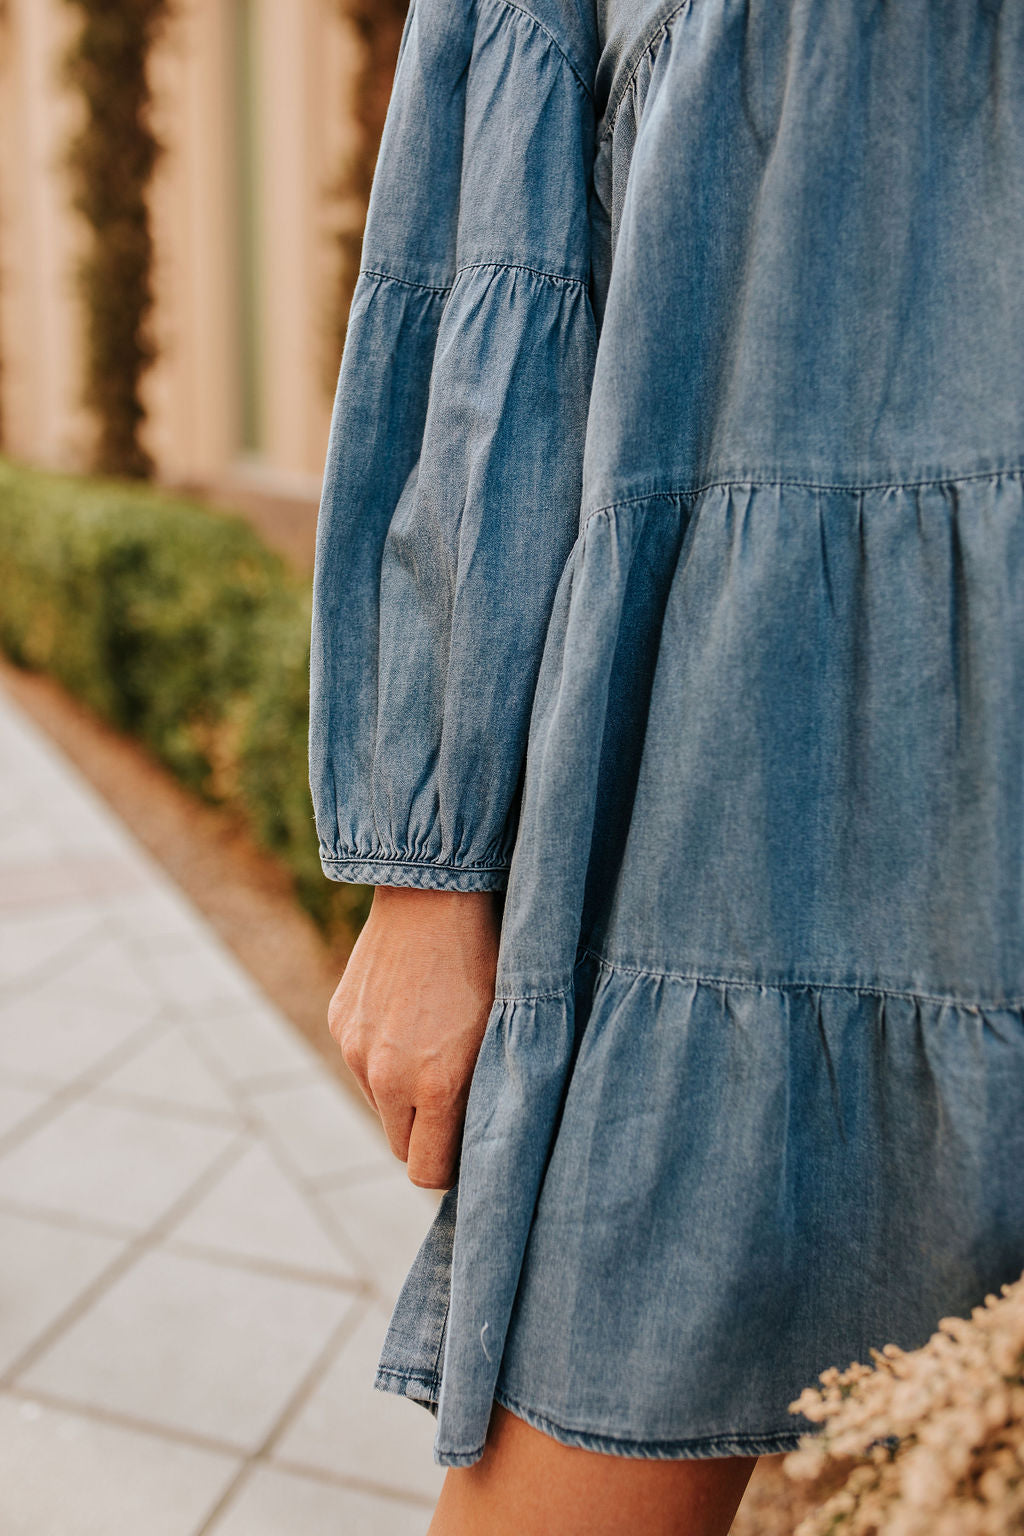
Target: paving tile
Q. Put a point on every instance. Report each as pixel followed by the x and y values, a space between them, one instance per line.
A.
pixel 30 942
pixel 386 1219
pixel 55 1037
pixel 28 760
pixel 322 1129
pixel 170 1072
pixel 107 969
pixel 198 974
pixel 255 1211
pixel 274 1503
pixel 84 822
pixel 16 1104
pixel 12 790
pixel 252 1044
pixel 196 1346
pixel 65 878
pixel 44 1268
pixel 12 807
pixel 62 1474
pixel 29 767
pixel 73 1016
pixel 109 1163
pixel 349 1428
pixel 38 778
pixel 22 841
pixel 155 915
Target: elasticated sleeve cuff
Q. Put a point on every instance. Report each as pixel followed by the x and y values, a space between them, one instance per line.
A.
pixel 420 875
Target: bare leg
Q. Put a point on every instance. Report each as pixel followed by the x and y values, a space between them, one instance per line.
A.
pixel 527 1484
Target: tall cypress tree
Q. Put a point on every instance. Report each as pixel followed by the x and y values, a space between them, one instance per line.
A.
pixel 112 160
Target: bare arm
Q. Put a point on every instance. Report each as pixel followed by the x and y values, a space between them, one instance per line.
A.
pixel 409 1014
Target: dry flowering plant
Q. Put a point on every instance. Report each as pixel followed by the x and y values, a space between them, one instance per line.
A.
pixel 934 1437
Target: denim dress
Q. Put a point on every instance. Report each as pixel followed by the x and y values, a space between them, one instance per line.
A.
pixel 670 579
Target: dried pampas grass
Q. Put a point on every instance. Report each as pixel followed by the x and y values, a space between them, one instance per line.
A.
pixel 933 1437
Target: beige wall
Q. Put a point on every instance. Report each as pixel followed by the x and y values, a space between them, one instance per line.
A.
pixel 303 60
pixel 39 318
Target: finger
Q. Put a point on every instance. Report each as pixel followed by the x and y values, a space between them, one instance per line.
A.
pixel 397 1120
pixel 364 1087
pixel 434 1149
pixel 353 1062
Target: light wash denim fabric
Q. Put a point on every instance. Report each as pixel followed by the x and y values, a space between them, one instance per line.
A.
pixel 670 575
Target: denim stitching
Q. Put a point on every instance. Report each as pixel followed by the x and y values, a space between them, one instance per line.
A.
pixel 1012 472
pixel 512 5
pixel 472 266
pixel 408 282
pixel 420 1378
pixel 399 860
pixel 521 266
pixel 531 997
pixel 616 102
pixel 440 1341
pixel 802 983
pixel 780 1438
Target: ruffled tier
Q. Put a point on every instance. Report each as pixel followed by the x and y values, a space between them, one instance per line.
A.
pixel 751 1097
pixel 778 733
pixel 681 1198
pixel 446 1336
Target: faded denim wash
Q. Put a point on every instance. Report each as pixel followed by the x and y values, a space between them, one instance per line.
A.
pixel 670 577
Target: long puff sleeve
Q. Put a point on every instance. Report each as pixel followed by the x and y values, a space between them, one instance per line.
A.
pixel 451 494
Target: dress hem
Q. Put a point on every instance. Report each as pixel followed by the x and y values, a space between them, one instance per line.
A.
pixel 798 1184
pixel 697 1448
pixel 703 1447
pixel 388 1380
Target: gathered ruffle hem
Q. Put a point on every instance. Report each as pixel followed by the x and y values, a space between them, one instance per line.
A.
pixel 775 1115
pixel 739 1184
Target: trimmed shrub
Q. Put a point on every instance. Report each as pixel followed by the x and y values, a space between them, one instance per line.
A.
pixel 111 159
pixel 175 623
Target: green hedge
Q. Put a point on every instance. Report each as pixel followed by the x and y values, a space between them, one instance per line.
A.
pixel 178 625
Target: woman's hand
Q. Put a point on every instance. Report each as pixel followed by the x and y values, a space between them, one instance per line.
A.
pixel 409 1014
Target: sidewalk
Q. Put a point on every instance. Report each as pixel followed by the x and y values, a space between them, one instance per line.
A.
pixel 201 1234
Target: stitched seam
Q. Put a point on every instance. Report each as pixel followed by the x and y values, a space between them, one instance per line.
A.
pixel 685 493
pixel 472 266
pixel 654 39
pixel 802 983
pixel 419 1377
pixel 507 1399
pixel 407 282
pixel 436 1373
pixel 404 863
pixel 531 997
pixel 520 266
pixel 511 5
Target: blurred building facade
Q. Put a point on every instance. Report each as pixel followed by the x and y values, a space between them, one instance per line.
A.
pixel 250 107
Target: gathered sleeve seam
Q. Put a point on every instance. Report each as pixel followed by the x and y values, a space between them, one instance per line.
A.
pixel 408 282
pixel 512 5
pixel 647 45
pixel 471 266
pixel 522 266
